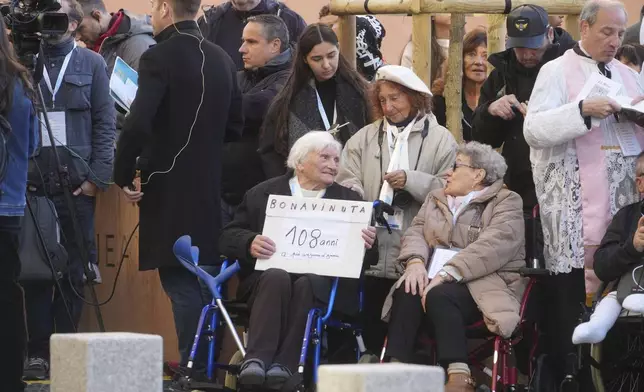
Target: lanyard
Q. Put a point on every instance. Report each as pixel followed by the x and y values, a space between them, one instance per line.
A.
pixel 325 118
pixel 61 75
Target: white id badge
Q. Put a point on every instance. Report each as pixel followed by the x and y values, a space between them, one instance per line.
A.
pixel 396 220
pixel 58 128
pixel 440 257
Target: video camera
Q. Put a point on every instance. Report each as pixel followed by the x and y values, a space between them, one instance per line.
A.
pixel 29 21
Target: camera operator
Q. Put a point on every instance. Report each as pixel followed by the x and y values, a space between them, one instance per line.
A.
pixel 81 112
pixel 21 137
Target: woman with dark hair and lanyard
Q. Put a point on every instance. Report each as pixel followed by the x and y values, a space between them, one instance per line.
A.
pixel 398 159
pixel 323 92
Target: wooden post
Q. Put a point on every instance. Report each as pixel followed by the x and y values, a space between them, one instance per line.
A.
pixel 357 7
pixel 347 36
pixel 496 32
pixel 454 80
pixel 571 24
pixel 422 47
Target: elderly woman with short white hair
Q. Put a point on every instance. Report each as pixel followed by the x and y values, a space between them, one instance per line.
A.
pixel 469 236
pixel 279 302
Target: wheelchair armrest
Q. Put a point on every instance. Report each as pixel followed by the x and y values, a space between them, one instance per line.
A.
pixel 533 272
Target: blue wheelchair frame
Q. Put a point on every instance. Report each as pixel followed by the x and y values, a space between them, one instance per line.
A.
pixel 321 318
pixel 188 256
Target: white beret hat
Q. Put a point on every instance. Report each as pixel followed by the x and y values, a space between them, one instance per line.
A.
pixel 403 76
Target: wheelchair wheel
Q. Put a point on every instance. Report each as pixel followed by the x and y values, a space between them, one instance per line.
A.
pixel 231 378
pixel 619 359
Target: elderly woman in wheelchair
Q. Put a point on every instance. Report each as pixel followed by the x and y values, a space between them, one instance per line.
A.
pixel 279 302
pixel 469 239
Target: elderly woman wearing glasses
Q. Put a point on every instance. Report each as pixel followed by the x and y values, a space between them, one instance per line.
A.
pixel 469 236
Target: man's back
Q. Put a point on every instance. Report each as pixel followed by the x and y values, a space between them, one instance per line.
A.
pixel 180 121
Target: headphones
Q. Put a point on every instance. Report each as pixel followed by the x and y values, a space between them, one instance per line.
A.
pixel 203 93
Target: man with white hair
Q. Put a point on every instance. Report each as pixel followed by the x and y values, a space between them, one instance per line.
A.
pixel 583 151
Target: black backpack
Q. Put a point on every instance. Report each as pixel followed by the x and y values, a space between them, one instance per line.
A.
pixel 33 257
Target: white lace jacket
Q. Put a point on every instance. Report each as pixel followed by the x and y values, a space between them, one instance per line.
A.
pixel 551 126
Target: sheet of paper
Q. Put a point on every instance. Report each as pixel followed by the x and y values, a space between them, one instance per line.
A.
pixel 628 142
pixel 316 236
pixel 58 128
pixel 124 83
pixel 598 86
pixel 440 257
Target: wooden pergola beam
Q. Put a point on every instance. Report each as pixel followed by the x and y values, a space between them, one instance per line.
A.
pixel 347 37
pixel 422 55
pixel 361 7
pixel 453 82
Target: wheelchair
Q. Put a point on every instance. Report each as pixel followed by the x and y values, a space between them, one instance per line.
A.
pixel 316 336
pixel 510 356
pixel 617 363
pixel 505 366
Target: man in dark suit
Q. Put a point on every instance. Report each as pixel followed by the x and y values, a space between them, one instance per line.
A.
pixel 187 105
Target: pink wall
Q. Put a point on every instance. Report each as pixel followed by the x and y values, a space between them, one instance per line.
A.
pixel 398 27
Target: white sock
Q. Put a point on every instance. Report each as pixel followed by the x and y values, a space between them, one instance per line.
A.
pixel 601 321
pixel 634 303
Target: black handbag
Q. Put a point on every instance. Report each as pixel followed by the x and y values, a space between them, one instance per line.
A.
pixel 41 220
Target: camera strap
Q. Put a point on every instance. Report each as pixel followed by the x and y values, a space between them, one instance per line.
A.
pixel 61 75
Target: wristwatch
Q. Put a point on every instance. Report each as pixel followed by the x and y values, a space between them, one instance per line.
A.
pixel 444 275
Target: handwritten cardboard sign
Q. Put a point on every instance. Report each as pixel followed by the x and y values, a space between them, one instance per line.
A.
pixel 316 236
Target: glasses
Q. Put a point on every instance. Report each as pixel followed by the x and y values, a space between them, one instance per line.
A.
pixel 457 165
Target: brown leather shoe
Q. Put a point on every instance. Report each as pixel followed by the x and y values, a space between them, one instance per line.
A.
pixel 460 383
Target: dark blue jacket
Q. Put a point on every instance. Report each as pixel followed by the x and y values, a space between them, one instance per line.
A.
pixel 90 118
pixel 21 144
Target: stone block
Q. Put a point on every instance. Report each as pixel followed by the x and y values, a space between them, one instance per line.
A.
pixel 380 378
pixel 106 362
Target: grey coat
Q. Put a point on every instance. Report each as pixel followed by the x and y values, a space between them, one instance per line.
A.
pixel 361 171
pixel 133 38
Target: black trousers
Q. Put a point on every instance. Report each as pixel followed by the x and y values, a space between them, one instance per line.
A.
pixel 13 329
pixel 565 297
pixel 450 309
pixel 374 329
pixel 279 306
